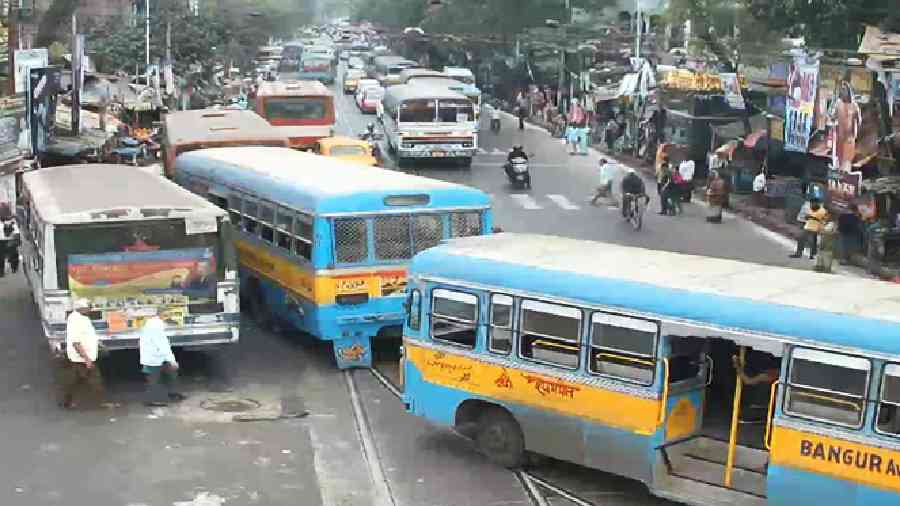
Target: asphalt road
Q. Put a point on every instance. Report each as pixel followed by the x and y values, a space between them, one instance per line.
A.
pixel 125 454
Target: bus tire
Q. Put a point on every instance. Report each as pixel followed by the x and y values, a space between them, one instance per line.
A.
pixel 500 438
pixel 466 162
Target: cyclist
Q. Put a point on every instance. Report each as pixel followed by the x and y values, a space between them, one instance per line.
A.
pixel 632 187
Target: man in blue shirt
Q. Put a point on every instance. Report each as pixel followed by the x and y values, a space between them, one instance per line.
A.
pixel 158 364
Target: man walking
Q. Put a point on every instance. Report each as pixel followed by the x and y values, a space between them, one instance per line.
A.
pixel 717 196
pixel 79 367
pixel 814 220
pixel 522 109
pixel 158 364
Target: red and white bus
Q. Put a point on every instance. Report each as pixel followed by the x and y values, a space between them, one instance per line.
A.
pixel 304 110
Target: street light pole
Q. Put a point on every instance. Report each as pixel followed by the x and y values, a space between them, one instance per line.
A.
pixel 147 37
pixel 640 28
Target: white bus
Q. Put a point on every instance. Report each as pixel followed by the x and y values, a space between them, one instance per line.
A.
pixel 423 121
pixel 133 245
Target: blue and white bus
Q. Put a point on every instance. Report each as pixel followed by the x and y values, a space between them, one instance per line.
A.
pixel 626 360
pixel 323 243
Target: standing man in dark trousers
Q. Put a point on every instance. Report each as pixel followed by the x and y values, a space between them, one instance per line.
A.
pixel 79 367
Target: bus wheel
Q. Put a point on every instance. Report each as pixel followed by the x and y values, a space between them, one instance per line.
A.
pixel 466 162
pixel 500 438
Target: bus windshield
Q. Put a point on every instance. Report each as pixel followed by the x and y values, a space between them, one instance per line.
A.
pixel 296 108
pixel 417 111
pixel 133 262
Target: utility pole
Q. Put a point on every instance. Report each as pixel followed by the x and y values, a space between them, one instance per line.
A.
pixel 147 38
pixel 640 28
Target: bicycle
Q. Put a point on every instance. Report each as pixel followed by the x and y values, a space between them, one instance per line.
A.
pixel 634 212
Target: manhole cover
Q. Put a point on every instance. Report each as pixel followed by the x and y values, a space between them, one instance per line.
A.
pixel 231 405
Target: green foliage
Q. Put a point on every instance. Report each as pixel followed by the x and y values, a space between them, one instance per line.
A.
pixel 57 52
pixel 390 13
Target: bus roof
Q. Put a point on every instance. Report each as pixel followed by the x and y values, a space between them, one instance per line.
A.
pixel 775 302
pixel 71 194
pixel 402 92
pixel 451 84
pixel 324 185
pixel 292 88
pixel 218 127
pixel 407 74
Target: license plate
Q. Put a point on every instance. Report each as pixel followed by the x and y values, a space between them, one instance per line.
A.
pixel 438 154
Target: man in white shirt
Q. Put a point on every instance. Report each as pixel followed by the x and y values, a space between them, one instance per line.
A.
pixel 608 172
pixel 79 366
pixel 686 185
pixel 158 364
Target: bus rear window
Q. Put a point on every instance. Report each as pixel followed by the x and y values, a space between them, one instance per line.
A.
pixel 296 108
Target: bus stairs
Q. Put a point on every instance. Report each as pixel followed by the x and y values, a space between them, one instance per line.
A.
pixel 696 473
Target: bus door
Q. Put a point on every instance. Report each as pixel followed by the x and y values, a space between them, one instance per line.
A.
pixel 714 426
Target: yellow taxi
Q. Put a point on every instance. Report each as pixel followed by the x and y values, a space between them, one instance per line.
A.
pixel 351 80
pixel 347 148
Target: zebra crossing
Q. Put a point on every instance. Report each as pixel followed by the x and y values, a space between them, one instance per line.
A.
pixel 530 202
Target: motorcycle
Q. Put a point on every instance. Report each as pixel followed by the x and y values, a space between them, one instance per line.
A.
pixel 372 138
pixel 518 173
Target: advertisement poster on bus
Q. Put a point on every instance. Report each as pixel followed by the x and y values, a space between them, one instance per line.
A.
pixel 801 105
pixel 129 279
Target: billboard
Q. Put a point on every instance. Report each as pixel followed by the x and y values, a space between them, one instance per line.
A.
pixel 25 59
pixel 800 105
pixel 43 87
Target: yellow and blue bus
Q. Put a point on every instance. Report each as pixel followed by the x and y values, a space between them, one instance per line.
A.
pixel 626 360
pixel 323 243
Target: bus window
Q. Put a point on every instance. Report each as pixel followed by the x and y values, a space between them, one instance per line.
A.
pixel 428 231
pixel 465 224
pixel 417 111
pixel 249 220
pixel 889 403
pixel 350 241
pixel 303 236
pixel 295 108
pixel 415 310
pixel 550 333
pixel 392 240
pixel 500 339
pixel 455 111
pixel 827 386
pixel 267 219
pixel 623 347
pixel 284 223
pixel 454 317
pixel 234 210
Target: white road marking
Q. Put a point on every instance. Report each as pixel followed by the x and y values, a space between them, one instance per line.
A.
pixel 563 202
pixel 526 201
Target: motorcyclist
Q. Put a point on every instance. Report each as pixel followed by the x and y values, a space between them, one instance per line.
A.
pixel 632 187
pixel 369 134
pixel 516 152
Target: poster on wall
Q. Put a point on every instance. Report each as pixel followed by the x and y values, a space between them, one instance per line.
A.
pixel 732 89
pixel 800 105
